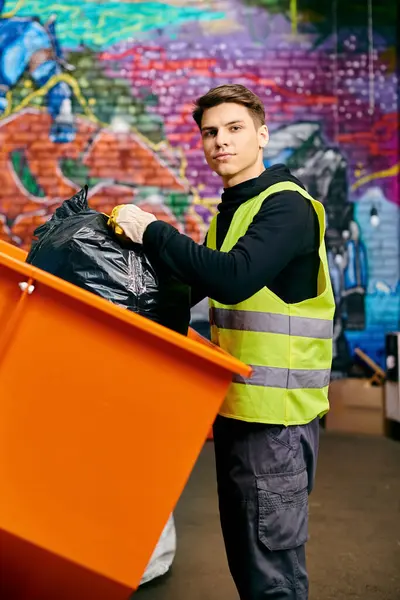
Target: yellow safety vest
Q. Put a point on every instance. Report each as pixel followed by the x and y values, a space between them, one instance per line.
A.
pixel 289 346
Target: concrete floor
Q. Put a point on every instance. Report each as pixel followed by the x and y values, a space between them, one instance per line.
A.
pixel 354 547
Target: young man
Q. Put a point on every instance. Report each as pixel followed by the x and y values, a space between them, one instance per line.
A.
pixel 264 267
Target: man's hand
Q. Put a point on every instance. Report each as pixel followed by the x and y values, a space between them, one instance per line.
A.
pixel 131 221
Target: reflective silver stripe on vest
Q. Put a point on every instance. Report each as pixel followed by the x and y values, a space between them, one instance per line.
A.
pixel 264 322
pixel 292 379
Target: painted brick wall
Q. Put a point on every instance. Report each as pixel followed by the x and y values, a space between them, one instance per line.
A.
pixel 120 120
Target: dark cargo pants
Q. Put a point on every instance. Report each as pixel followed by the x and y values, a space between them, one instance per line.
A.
pixel 264 476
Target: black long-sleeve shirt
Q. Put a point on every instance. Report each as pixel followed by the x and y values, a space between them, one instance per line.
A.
pixel 279 249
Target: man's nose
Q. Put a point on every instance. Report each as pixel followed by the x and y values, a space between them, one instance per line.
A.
pixel 221 139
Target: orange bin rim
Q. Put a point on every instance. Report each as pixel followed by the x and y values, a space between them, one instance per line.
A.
pixel 14 258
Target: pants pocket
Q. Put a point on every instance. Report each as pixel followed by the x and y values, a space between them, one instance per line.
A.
pixel 283 510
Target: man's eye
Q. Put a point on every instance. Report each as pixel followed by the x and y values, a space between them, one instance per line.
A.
pixel 235 127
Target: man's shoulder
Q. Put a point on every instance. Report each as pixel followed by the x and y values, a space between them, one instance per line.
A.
pixel 295 210
pixel 286 200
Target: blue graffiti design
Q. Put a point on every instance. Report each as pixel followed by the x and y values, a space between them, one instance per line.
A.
pixel 102 24
pixel 25 43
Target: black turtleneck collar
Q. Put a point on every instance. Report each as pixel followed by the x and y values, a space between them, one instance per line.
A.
pixel 232 197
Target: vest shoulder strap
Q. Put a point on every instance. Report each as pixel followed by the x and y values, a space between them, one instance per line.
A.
pixel 247 211
pixel 212 234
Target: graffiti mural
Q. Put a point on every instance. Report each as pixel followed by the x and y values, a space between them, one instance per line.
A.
pixel 101 93
pixel 27 45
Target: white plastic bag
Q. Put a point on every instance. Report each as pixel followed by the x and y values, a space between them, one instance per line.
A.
pixel 163 555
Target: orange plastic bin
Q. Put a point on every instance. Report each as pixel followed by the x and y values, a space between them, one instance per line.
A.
pixel 102 416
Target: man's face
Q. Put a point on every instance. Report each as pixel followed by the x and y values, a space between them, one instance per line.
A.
pixel 232 143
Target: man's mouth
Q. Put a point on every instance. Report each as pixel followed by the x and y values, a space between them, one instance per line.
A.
pixel 223 155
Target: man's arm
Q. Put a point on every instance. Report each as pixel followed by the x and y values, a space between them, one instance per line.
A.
pixel 275 237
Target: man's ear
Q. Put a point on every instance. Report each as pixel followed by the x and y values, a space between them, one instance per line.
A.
pixel 263 136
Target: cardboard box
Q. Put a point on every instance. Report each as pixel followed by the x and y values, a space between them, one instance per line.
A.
pixel 356 407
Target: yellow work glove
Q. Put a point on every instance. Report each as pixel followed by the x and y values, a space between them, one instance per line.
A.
pixel 130 221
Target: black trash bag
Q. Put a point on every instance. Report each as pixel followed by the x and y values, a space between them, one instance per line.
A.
pixel 77 245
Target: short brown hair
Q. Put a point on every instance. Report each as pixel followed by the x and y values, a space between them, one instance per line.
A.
pixel 230 93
